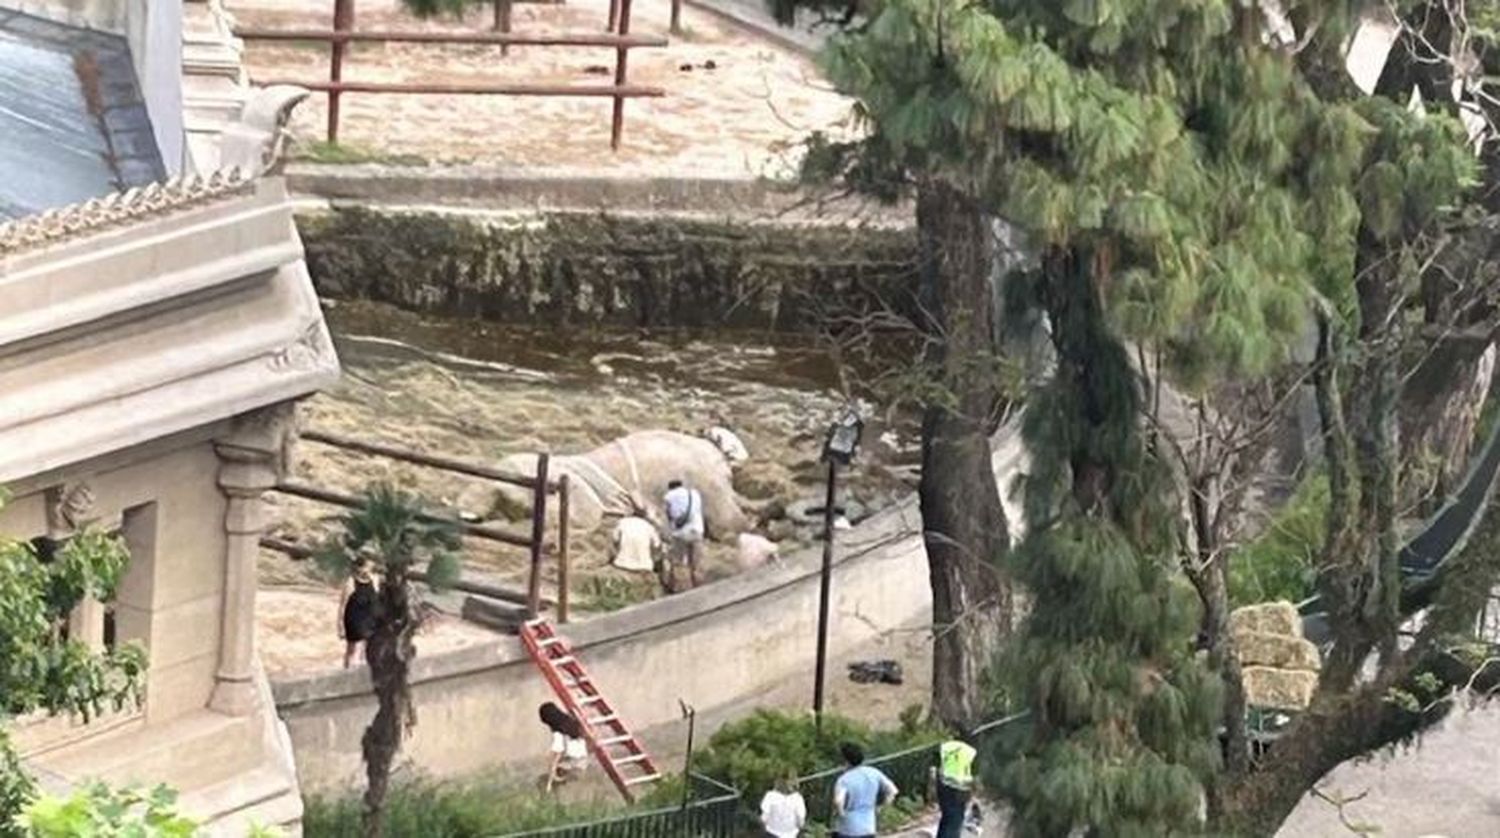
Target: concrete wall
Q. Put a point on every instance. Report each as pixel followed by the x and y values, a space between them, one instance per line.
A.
pixel 713 648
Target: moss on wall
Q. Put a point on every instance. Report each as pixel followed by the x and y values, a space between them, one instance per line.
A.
pixel 613 269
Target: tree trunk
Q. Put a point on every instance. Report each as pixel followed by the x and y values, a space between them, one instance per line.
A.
pixel 963 522
pixel 1213 590
pixel 389 653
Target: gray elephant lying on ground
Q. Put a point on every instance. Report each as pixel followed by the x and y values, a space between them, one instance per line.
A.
pixel 604 481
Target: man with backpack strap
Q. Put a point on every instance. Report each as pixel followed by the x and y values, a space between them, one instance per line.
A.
pixel 684 507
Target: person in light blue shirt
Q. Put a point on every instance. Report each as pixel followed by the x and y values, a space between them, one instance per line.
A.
pixel 859 791
pixel 685 531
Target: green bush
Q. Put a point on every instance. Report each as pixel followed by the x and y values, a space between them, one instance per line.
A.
pixel 100 812
pixel 752 753
pixel 429 809
pixel 1281 563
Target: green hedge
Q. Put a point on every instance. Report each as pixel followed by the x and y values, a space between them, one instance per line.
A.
pixel 430 809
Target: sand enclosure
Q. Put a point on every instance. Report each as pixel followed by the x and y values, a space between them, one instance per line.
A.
pixel 735 104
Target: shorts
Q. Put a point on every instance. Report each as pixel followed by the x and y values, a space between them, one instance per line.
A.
pixel 685 547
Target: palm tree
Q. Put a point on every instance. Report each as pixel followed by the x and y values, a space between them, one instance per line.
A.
pixel 392 532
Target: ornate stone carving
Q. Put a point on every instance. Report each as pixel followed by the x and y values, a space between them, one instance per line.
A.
pixel 68 509
pixel 256 142
pixel 306 353
pixel 98 214
pixel 256 451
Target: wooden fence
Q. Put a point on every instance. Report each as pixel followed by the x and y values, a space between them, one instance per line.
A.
pixel 535 542
pixel 344 33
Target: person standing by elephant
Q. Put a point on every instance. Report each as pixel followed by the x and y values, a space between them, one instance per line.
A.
pixel 684 507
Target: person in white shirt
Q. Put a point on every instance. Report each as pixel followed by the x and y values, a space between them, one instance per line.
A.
pixel 685 529
pixel 636 542
pixel 783 812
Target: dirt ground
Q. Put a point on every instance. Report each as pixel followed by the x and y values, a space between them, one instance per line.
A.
pixel 735 105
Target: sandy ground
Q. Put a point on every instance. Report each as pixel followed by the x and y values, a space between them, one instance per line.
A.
pixel 742 117
pixel 297 634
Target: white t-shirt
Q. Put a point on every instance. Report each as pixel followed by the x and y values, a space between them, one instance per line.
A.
pixel 635 540
pixel 573 750
pixel 783 815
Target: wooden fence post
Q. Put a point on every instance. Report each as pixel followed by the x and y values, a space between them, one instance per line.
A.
pixel 676 28
pixel 617 119
pixel 502 22
pixel 343 20
pixel 538 536
pixel 563 585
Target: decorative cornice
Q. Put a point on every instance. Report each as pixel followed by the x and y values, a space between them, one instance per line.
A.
pixel 144 203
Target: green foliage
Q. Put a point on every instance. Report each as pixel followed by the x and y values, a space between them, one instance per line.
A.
pixel 1280 563
pixel 99 812
pixel 38 671
pixel 392 531
pixel 1186 190
pixel 426 809
pixel 320 151
pixel 16 788
pixel 753 753
pixel 612 593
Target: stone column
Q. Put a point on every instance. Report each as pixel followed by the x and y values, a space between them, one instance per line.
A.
pixel 252 459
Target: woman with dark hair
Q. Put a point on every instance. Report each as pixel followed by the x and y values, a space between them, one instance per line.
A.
pixel 359 608
pixel 569 751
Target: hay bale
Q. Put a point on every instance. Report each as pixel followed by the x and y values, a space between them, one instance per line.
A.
pixel 1279 689
pixel 1259 648
pixel 1270 617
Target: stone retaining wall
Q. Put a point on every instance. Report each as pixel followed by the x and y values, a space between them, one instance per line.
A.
pixel 616 268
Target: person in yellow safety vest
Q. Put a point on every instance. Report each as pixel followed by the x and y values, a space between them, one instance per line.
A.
pixel 955 785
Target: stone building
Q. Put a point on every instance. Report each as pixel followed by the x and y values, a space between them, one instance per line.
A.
pixel 157 326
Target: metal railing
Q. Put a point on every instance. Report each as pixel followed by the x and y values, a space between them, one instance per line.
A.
pixel 343 34
pixel 711 812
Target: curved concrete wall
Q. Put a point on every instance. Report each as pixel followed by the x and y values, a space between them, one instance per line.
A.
pixel 715 648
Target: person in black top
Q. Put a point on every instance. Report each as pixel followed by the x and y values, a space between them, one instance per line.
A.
pixel 569 751
pixel 358 608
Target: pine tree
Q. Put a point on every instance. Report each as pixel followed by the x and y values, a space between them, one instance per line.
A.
pixel 1192 189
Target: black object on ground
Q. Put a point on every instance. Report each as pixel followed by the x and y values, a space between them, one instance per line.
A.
pixel 872 672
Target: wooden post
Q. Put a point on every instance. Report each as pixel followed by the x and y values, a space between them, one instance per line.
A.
pixel 676 28
pixel 538 536
pixel 343 20
pixel 614 16
pixel 503 9
pixel 562 549
pixel 617 119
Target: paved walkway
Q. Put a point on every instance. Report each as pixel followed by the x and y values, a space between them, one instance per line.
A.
pixel 1446 784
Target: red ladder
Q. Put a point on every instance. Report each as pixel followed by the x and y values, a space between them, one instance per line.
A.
pixel 618 751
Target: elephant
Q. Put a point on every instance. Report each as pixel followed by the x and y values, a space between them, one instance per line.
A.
pixel 611 480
